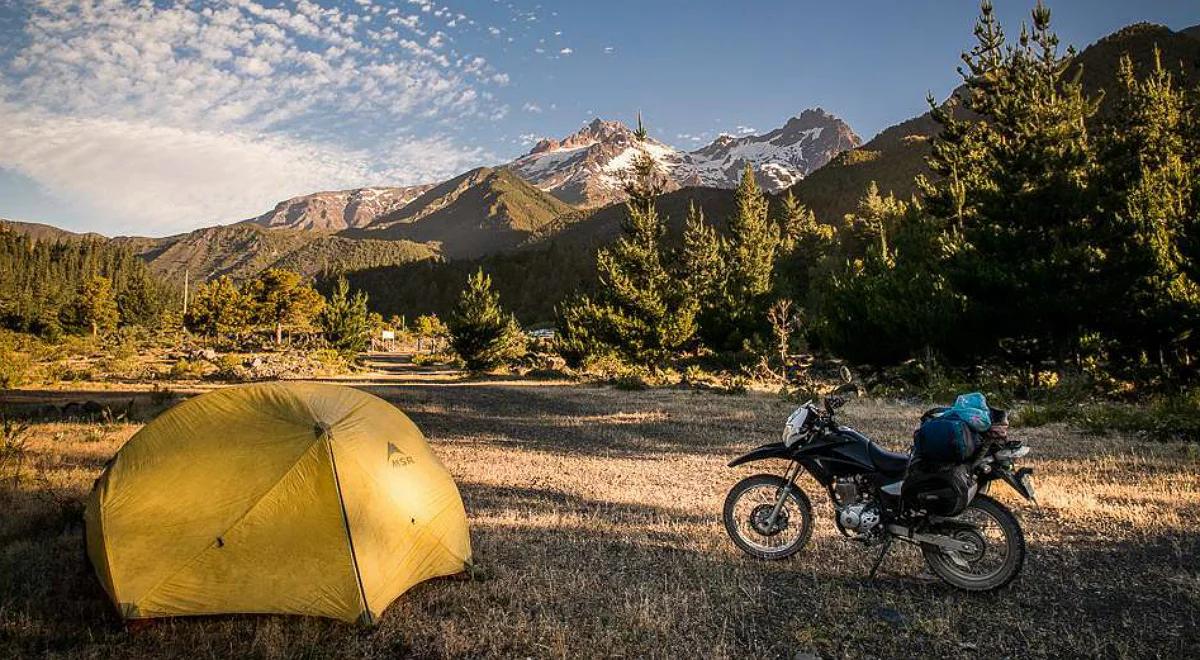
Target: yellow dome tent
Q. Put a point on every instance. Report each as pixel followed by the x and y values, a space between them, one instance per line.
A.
pixel 291 498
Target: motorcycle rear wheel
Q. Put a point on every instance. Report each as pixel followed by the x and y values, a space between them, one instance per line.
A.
pixel 750 502
pixel 993 527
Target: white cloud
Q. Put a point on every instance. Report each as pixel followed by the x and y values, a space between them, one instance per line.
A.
pixel 528 139
pixel 532 107
pixel 566 51
pixel 161 180
pixel 178 114
pixel 608 50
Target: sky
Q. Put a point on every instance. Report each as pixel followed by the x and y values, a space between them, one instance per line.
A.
pixel 153 117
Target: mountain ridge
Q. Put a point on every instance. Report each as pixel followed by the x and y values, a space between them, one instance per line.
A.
pixel 585 168
pixel 336 210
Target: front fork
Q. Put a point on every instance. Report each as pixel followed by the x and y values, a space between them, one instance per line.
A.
pixel 793 472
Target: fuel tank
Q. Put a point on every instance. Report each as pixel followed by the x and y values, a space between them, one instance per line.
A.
pixel 848 454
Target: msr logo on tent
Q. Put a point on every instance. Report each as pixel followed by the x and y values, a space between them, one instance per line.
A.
pixel 397 457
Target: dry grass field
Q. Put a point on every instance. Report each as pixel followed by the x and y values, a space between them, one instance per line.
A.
pixel 596 524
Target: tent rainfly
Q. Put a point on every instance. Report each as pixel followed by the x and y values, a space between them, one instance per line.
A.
pixel 292 498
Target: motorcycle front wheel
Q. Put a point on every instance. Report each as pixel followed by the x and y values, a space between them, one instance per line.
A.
pixel 747 516
pixel 999 547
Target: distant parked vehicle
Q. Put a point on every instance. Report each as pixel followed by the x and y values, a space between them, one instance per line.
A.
pixel 934 498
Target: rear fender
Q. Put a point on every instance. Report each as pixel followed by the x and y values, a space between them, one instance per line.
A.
pixel 762 453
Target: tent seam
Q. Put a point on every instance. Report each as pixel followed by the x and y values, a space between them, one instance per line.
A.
pixel 337 485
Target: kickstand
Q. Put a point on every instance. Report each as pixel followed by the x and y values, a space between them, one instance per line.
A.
pixel 887 544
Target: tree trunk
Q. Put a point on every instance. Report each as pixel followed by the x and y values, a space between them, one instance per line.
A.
pixel 278 333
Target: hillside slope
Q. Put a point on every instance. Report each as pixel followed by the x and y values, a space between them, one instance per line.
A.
pixel 245 249
pixel 482 211
pixel 535 278
pixel 39 231
pixel 895 156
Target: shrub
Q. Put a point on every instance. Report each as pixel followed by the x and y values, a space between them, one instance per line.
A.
pixel 435 359
pixel 1163 417
pixel 162 396
pixel 15 367
pixel 345 321
pixel 120 367
pixel 230 368
pixel 14 440
pixel 185 369
pixel 330 361
pixel 631 381
pixel 481 332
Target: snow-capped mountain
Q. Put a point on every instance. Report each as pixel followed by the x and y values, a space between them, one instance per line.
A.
pixel 780 158
pixel 336 210
pixel 586 168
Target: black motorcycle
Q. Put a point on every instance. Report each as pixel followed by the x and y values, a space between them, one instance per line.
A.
pixel 968 539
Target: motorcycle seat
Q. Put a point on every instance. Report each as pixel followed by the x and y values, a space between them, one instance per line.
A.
pixel 887 462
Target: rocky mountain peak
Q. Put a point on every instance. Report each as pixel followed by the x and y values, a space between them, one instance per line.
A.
pixel 585 167
pixel 780 157
pixel 336 210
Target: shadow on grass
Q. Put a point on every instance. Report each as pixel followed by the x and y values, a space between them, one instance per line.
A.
pixel 87 406
pixel 638 579
pixel 584 421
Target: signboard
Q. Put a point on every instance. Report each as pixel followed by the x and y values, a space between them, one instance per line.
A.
pixel 388 334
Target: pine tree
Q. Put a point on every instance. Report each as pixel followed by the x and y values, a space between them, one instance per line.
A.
pixel 1015 192
pixel 481 332
pixel 753 239
pixel 281 297
pixel 1152 199
pixel 41 280
pixel 345 320
pixel 700 258
pixel 803 243
pixel 97 305
pixel 882 298
pixel 749 258
pixel 642 309
pixel 219 309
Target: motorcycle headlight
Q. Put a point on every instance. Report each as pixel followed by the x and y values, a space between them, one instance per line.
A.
pixel 794 429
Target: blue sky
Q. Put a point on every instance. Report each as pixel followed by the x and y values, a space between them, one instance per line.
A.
pixel 158 117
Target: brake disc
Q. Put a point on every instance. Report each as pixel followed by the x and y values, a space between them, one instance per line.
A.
pixel 762 513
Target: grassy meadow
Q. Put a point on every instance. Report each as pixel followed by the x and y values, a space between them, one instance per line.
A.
pixel 595 516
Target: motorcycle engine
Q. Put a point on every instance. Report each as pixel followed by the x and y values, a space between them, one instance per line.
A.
pixel 859 517
pixel 857 513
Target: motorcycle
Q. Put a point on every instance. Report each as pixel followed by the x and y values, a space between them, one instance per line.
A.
pixel 968 539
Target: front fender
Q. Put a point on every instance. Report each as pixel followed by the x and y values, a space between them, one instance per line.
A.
pixel 771 450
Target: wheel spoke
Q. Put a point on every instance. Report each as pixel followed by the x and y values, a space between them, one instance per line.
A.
pixel 753 509
pixel 979 526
